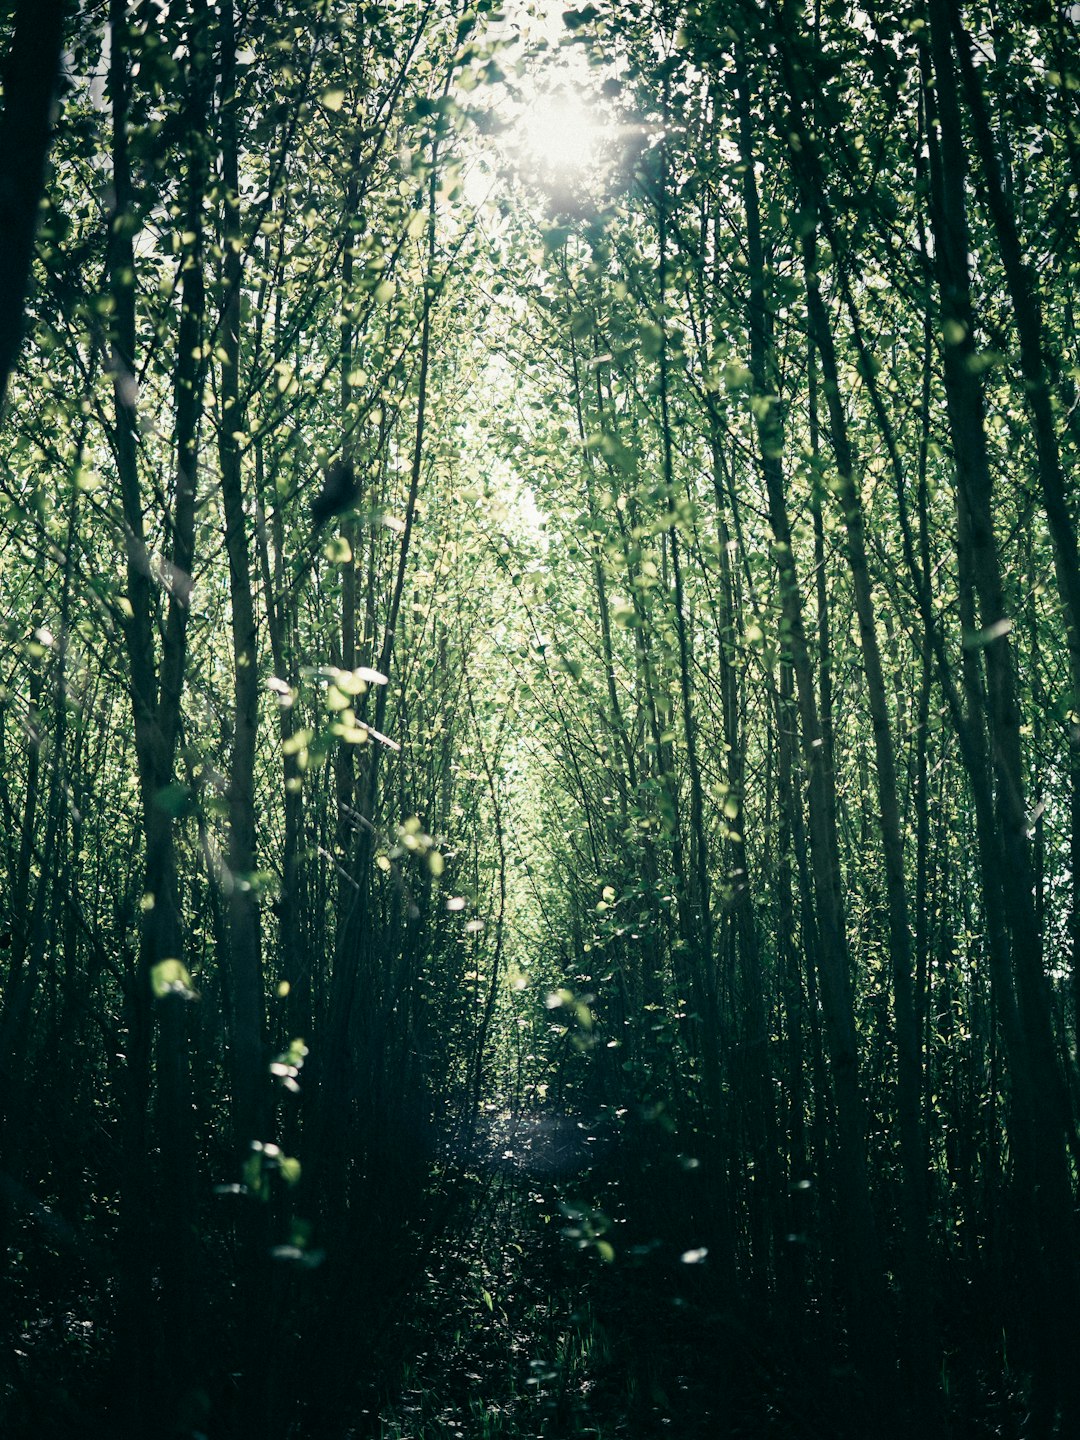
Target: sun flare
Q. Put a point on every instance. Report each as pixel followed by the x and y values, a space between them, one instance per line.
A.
pixel 561 134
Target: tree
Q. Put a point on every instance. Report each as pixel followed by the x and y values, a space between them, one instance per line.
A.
pixel 31 74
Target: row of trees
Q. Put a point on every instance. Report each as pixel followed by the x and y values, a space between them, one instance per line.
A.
pixel 239 729
pixel 819 746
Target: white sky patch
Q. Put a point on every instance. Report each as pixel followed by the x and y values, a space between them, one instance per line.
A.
pixel 561 133
pixel 553 120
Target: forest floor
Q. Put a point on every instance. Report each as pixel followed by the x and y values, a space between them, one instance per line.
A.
pixel 531 1331
pixel 530 1325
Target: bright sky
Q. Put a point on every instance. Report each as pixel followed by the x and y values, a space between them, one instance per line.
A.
pixel 557 129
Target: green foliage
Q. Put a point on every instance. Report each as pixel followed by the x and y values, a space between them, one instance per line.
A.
pixel 170 977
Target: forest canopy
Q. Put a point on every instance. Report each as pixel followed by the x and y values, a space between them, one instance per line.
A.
pixel 539 719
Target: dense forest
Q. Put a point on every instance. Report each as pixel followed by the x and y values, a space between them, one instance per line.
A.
pixel 539 719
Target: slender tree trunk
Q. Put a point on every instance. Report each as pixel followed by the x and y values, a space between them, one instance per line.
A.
pixel 161 1223
pixel 31 72
pixel 863 1274
pixel 243 962
pixel 245 959
pixel 1040 403
pixel 695 900
pixel 917 1308
pixel 1051 1185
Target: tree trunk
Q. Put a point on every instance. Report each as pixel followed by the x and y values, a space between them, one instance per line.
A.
pixel 917 1308
pixel 30 75
pixel 1050 1184
pixel 862 1273
pixel 245 958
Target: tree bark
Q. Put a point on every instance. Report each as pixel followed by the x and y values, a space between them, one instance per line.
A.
pixel 863 1274
pixel 1052 1189
pixel 31 73
pixel 917 1308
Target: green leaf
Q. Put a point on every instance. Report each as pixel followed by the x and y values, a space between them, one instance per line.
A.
pixel 575 19
pixel 170 977
pixel 554 237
